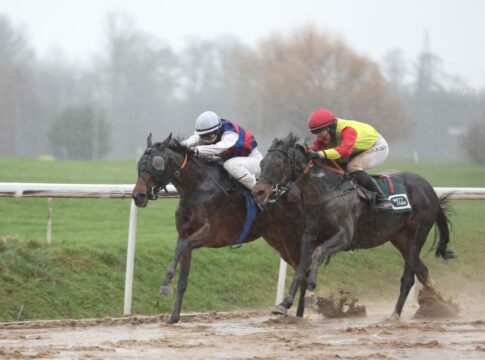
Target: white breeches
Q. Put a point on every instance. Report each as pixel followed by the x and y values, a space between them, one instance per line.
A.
pixel 245 169
pixel 376 155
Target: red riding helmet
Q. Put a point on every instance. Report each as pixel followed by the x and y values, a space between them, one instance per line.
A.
pixel 320 118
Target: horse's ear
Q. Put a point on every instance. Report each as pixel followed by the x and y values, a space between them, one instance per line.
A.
pixel 149 140
pixel 165 142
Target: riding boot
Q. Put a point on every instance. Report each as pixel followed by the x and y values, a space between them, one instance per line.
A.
pixel 367 181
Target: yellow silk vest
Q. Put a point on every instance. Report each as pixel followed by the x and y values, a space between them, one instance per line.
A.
pixel 366 137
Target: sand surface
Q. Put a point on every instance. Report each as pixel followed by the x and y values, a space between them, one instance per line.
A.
pixel 251 335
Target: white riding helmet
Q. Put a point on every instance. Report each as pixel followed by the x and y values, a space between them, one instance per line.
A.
pixel 207 122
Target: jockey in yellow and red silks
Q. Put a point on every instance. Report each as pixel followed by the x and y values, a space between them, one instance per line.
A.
pixel 358 142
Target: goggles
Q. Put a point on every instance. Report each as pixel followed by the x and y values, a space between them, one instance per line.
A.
pixel 319 130
pixel 208 138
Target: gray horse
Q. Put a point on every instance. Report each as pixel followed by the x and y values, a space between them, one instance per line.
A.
pixel 338 219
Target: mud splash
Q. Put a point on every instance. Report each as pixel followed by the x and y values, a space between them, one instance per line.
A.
pixel 433 305
pixel 340 306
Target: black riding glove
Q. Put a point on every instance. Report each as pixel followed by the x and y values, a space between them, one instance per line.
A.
pixel 194 151
pixel 315 155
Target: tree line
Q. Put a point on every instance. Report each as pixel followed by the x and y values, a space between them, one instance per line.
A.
pixel 138 84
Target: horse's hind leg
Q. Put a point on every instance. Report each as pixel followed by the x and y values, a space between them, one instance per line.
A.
pixel 423 275
pixel 409 246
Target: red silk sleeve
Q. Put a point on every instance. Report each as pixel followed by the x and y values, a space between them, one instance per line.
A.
pixel 348 136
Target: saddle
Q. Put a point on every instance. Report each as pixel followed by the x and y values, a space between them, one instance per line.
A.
pixel 234 186
pixel 392 189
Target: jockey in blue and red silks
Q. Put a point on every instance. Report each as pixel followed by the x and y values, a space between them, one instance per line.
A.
pixel 234 144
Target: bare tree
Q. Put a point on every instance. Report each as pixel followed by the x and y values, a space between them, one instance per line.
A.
pixel 285 78
pixel 15 86
pixel 207 80
pixel 396 70
pixel 140 81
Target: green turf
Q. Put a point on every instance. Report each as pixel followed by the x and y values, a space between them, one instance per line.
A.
pixel 82 273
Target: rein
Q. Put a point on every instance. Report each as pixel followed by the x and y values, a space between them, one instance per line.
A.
pixel 282 190
pixel 336 169
pixel 210 177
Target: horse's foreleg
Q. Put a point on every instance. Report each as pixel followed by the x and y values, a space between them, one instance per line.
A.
pixel 181 286
pixel 317 258
pixel 301 301
pixel 182 245
pixel 341 240
pixel 300 275
pixel 166 288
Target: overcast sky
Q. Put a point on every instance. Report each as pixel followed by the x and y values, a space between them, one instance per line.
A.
pixel 456 28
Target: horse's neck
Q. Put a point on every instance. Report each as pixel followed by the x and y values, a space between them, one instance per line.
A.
pixel 319 181
pixel 194 178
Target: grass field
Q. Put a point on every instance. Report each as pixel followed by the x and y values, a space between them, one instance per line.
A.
pixel 82 273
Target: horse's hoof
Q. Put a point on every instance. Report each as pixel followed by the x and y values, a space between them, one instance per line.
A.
pixel 311 298
pixel 166 290
pixel 173 320
pixel 394 317
pixel 279 310
pixel 431 284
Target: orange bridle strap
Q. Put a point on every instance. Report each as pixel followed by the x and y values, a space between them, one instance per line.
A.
pixel 184 163
pixel 336 169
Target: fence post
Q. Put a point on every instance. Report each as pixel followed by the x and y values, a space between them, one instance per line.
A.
pixel 281 282
pixel 130 259
pixel 49 221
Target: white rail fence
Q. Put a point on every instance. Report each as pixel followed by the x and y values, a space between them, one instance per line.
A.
pixel 124 191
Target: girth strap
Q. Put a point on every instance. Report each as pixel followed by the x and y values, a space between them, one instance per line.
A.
pixel 251 212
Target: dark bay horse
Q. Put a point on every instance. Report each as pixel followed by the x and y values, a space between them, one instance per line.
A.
pixel 209 214
pixel 338 219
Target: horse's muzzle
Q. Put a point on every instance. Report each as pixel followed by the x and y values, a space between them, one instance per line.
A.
pixel 140 198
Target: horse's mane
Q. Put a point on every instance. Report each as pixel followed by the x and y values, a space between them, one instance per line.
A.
pixel 288 142
pixel 176 145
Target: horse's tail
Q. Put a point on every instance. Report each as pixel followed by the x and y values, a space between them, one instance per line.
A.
pixel 443 226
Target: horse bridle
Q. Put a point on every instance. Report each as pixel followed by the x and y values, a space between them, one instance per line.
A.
pixel 280 190
pixel 155 189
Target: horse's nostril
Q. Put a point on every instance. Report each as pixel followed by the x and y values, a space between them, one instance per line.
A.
pixel 140 198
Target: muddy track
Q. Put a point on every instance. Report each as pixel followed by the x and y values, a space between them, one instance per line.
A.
pixel 247 335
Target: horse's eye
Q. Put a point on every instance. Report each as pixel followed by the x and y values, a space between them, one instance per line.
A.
pixel 158 163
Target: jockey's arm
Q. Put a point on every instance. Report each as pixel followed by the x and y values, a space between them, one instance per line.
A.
pixel 191 141
pixel 348 137
pixel 228 140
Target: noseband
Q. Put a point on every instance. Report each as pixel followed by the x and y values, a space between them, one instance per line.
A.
pixel 281 189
